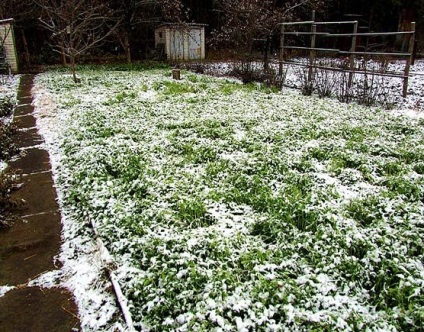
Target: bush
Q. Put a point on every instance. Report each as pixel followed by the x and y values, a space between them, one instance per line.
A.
pixel 6 107
pixel 7 150
pixel 249 72
pixel 8 182
pixel 7 146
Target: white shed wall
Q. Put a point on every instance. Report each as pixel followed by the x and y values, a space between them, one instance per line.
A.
pixel 9 45
pixel 182 43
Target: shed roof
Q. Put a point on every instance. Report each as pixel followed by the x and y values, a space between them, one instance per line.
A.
pixel 177 25
pixel 8 20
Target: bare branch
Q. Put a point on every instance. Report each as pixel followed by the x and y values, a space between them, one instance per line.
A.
pixel 76 25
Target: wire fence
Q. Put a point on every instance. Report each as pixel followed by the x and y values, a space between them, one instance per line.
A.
pixel 351 55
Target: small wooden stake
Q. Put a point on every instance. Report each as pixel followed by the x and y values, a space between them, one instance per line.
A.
pixel 176 74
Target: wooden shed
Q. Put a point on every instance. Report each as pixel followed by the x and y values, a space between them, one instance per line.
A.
pixel 181 41
pixel 7 44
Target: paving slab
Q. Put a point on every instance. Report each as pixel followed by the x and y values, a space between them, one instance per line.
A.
pixel 25 99
pixel 31 161
pixel 37 194
pixel 25 121
pixel 29 247
pixel 24 109
pixel 28 138
pixel 54 308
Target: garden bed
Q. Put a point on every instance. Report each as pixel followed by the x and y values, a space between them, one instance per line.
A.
pixel 8 149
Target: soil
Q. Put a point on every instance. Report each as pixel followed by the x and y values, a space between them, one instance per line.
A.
pixel 30 246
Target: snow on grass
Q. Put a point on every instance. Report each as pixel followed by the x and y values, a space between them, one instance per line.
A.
pixel 8 91
pixel 3 166
pixel 230 207
pixel 412 105
pixel 8 85
pixel 82 271
pixel 5 289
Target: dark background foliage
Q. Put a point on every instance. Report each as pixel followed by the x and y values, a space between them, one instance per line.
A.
pixel 231 24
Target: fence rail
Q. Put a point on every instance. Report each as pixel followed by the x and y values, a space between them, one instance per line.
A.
pixel 352 53
pixel 354 71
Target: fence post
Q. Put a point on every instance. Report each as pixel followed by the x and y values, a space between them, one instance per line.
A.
pixel 280 68
pixel 414 53
pixel 409 60
pixel 352 56
pixel 312 51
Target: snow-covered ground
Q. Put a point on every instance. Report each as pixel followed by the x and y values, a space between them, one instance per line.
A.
pixel 8 85
pixel 84 269
pixel 183 180
pixel 228 207
pixel 412 105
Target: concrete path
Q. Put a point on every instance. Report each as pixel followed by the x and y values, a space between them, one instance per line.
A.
pixel 28 248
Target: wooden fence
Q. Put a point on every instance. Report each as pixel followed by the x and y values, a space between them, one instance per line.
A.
pixel 351 54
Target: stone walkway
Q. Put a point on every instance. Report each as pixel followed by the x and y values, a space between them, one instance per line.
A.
pixel 28 248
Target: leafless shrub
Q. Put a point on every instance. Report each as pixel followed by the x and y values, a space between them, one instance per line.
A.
pixel 306 84
pixel 246 71
pixel 198 68
pixel 252 71
pixel 372 88
pixel 418 106
pixel 345 91
pixel 278 80
pixel 326 80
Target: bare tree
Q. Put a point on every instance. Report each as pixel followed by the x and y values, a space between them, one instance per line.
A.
pixel 246 20
pixel 131 14
pixel 76 26
pixel 173 11
pixel 134 15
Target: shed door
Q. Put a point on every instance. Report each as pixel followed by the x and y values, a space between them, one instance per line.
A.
pixel 194 44
pixel 177 44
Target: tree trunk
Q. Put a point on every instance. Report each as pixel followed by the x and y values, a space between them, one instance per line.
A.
pixel 63 56
pixel 127 47
pixel 125 43
pixel 407 15
pixel 26 51
pixel 266 50
pixel 74 69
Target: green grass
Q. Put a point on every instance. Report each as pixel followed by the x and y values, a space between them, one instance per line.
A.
pixel 221 201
